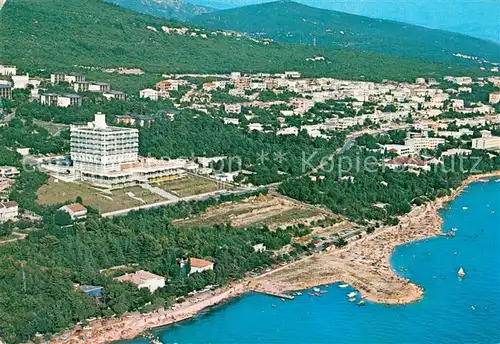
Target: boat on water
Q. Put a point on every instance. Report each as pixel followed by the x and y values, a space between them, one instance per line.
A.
pixel 343 285
pixel 454 229
pixel 310 294
pixel 316 289
pixel 298 293
pixel 361 303
pixel 352 294
pixel 352 299
pixel 465 208
pixel 323 291
pixel 461 272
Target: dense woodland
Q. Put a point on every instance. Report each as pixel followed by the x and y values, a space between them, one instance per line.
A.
pixel 53 258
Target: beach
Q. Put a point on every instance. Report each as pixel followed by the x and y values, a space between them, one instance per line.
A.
pixel 364 264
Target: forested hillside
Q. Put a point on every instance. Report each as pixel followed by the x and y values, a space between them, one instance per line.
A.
pixel 292 22
pixel 61 34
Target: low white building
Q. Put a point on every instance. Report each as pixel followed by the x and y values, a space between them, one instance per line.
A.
pixel 8 70
pixel 456 151
pixel 143 279
pixel 402 150
pixel 149 93
pixel 259 247
pixel 8 171
pixel 8 211
pixel 232 108
pixel 20 81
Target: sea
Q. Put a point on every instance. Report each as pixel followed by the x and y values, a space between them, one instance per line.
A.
pixel 452 310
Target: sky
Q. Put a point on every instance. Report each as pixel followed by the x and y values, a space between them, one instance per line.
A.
pixel 479 18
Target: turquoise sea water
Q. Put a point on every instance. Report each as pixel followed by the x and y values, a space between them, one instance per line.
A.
pixel 453 310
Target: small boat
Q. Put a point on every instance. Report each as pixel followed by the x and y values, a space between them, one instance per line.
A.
pixel 273 305
pixel 454 229
pixel 310 294
pixel 343 285
pixel 327 286
pixel 473 307
pixel 461 272
pixel 352 294
pixel 361 303
pixel 352 299
pixel 465 208
pixel 282 299
pixel 298 293
pixel 316 289
pixel 323 291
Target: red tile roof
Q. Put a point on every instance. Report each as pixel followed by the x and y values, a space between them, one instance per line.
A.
pixel 76 207
pixel 404 160
pixel 199 263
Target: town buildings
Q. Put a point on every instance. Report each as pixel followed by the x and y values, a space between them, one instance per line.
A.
pixel 8 171
pixel 487 143
pixel 8 211
pixel 494 97
pixel 149 93
pixel 143 279
pixel 71 78
pixel 424 143
pixel 232 108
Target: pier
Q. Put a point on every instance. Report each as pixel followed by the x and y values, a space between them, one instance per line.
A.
pixel 280 295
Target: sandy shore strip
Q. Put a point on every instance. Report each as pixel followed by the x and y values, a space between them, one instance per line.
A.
pixel 363 264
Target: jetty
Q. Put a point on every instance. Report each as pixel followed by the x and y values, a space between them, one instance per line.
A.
pixel 275 294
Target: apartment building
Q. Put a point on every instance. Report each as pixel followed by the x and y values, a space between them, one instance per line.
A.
pixel 424 143
pixel 99 87
pixel 5 90
pixel 114 95
pixel 487 143
pixel 149 93
pixel 71 78
pixel 63 100
pixel 8 70
pixel 232 108
pixel 494 97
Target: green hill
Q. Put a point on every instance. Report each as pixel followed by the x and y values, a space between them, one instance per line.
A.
pixel 291 22
pixel 63 34
pixel 172 9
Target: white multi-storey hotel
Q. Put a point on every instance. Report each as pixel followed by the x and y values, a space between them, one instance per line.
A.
pixel 108 157
pixel 101 148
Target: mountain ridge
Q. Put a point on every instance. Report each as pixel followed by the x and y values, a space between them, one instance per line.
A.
pixel 292 22
pixel 171 9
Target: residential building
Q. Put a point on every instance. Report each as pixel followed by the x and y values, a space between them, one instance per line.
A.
pixel 5 90
pixel 302 105
pixel 71 78
pixel 292 75
pixel 63 100
pixel 81 86
pixel 8 211
pixel 134 120
pixel 494 97
pixel 197 265
pixel 167 85
pixel 143 279
pixel 8 171
pixel 228 120
pixel 75 210
pixel 66 100
pixel 114 95
pixel 8 70
pixel 208 162
pixel 288 131
pixel 255 127
pixel 237 92
pixel 424 143
pixel 487 143
pixel 259 247
pixel 149 93
pixel 232 108
pixel 99 87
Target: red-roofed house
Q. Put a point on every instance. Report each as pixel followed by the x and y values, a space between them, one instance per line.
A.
pixel 75 210
pixel 197 265
pixel 143 279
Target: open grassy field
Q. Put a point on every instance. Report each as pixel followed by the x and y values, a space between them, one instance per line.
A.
pixel 256 211
pixel 188 186
pixel 58 192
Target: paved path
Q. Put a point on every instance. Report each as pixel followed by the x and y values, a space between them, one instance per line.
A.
pixel 159 192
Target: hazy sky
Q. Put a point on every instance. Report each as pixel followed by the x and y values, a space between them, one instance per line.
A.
pixel 480 18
